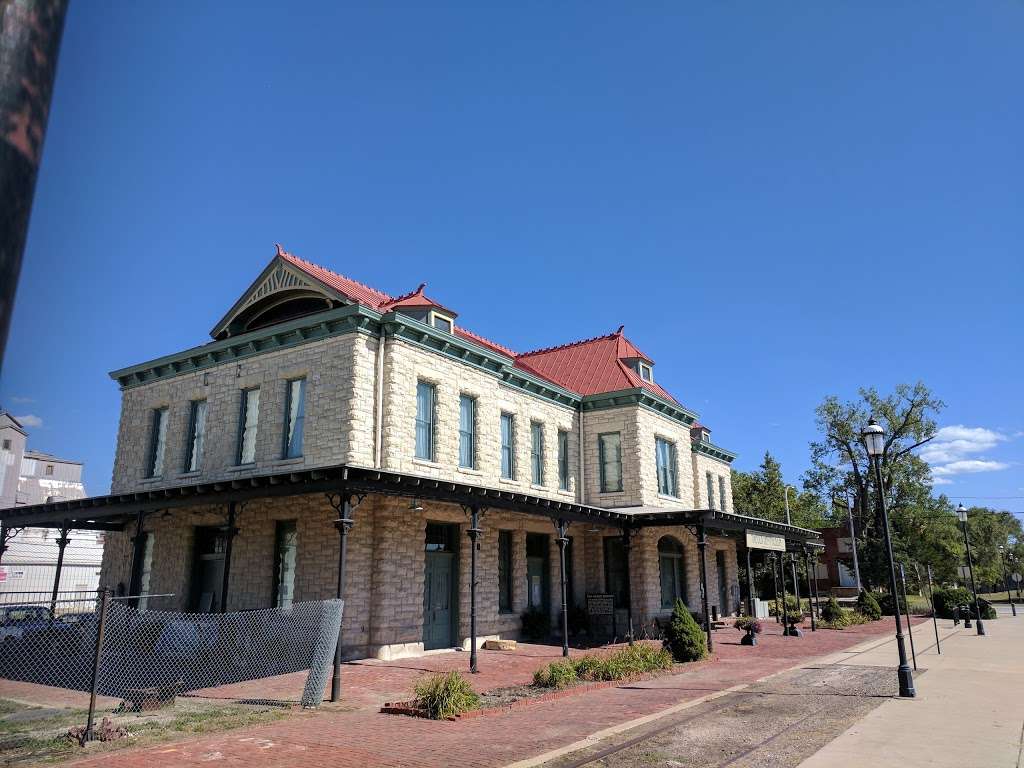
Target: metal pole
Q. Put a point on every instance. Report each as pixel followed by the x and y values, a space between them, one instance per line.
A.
pixel 343 524
pixel 781 610
pixel 228 542
pixel 935 618
pixel 30 33
pixel 563 542
pixel 629 583
pixel 702 544
pixel 906 607
pixel 853 544
pixel 1006 581
pixel 792 561
pixel 817 599
pixel 807 567
pixel 974 588
pixel 751 638
pixel 96 656
pixel 62 542
pixel 905 676
pixel 474 533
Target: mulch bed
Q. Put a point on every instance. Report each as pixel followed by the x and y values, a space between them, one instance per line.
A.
pixel 502 700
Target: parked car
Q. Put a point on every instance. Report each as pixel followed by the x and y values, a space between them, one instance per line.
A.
pixel 20 621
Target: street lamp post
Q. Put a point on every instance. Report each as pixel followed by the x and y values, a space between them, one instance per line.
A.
pixel 1006 578
pixel 874 441
pixel 961 512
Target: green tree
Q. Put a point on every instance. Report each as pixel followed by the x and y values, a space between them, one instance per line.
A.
pixel 840 468
pixel 988 529
pixel 762 493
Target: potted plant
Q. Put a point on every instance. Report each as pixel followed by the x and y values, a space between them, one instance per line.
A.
pixel 752 626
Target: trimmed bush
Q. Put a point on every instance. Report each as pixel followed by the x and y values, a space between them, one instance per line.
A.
pixel 868 607
pixel 536 625
pixel 588 668
pixel 832 611
pixel 446 695
pixel 557 674
pixel 886 603
pixel 946 599
pixel 684 639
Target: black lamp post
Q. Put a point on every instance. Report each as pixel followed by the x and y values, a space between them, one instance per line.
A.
pixel 874 441
pixel 1006 578
pixel 961 512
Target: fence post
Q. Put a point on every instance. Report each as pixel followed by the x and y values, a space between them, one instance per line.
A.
pixel 97 654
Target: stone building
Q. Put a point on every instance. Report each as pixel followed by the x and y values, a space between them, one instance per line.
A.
pixel 323 406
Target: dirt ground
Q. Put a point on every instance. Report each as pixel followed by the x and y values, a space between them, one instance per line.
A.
pixel 774 724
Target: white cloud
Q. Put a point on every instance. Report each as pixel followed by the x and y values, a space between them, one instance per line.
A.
pixel 968 466
pixel 29 420
pixel 22 400
pixel 941 481
pixel 954 443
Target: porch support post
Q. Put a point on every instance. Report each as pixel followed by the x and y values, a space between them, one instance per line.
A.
pixel 343 524
pixel 817 600
pixel 627 534
pixel 563 541
pixel 229 536
pixel 473 533
pixel 810 599
pixel 138 551
pixel 702 545
pixel 751 637
pixel 775 584
pixel 3 540
pixel 785 610
pixel 62 543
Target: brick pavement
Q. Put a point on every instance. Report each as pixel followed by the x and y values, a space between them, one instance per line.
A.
pixel 364 737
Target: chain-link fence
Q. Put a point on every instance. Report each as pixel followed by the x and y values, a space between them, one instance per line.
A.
pixel 115 647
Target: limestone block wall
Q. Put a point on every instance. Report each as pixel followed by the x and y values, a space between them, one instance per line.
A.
pixel 624 421
pixel 338 414
pixel 405 365
pixel 650 427
pixel 703 464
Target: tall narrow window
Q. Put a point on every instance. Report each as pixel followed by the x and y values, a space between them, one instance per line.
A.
pixel 563 460
pixel 145 571
pixel 248 423
pixel 196 435
pixel 537 453
pixel 158 442
pixel 508 440
pixel 665 454
pixel 711 491
pixel 615 570
pixel 504 571
pixel 609 449
pixel 286 539
pixel 294 418
pixel 721 493
pixel 671 570
pixel 425 398
pixel 467 431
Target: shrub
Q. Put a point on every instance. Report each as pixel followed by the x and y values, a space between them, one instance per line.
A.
pixel 557 674
pixel 443 696
pixel 946 599
pixel 589 668
pixel 683 638
pixel 832 611
pixel 639 658
pixel 867 606
pixel 886 603
pixel 748 622
pixel 792 607
pixel 536 625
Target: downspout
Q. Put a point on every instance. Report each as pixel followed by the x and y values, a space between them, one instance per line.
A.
pixel 379 399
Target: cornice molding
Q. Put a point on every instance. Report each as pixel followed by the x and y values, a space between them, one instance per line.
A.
pixel 712 450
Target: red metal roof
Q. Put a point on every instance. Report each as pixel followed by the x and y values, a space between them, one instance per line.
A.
pixel 587 367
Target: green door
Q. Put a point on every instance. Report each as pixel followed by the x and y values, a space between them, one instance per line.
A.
pixel 538 585
pixel 439 595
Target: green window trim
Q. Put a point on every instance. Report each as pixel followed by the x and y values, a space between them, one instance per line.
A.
pixel 467 432
pixel 671 571
pixel 563 460
pixel 157 443
pixel 609 451
pixel 667 466
pixel 537 453
pixel 196 435
pixel 508 446
pixel 426 405
pixel 248 426
pixel 294 418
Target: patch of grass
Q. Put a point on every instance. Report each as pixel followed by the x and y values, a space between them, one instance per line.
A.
pixel 557 674
pixel 628 662
pixel 446 695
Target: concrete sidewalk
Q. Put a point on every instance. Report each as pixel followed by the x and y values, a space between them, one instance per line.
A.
pixel 969 710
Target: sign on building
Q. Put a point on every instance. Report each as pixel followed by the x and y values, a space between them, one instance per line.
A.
pixel 758 540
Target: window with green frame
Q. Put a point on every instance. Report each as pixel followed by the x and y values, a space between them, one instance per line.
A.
pixel 467 432
pixel 537 453
pixel 672 571
pixel 609 450
pixel 563 460
pixel 426 395
pixel 508 438
pixel 665 456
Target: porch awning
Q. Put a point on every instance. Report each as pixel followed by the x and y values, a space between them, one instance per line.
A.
pixel 112 511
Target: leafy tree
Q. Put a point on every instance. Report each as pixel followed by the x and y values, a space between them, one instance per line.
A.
pixel 840 467
pixel 988 528
pixel 762 493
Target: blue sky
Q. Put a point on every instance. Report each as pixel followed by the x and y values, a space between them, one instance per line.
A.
pixel 779 201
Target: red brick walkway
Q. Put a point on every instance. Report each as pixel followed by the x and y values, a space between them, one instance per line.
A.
pixel 364 737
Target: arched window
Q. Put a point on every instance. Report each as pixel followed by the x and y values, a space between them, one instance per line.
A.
pixel 672 570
